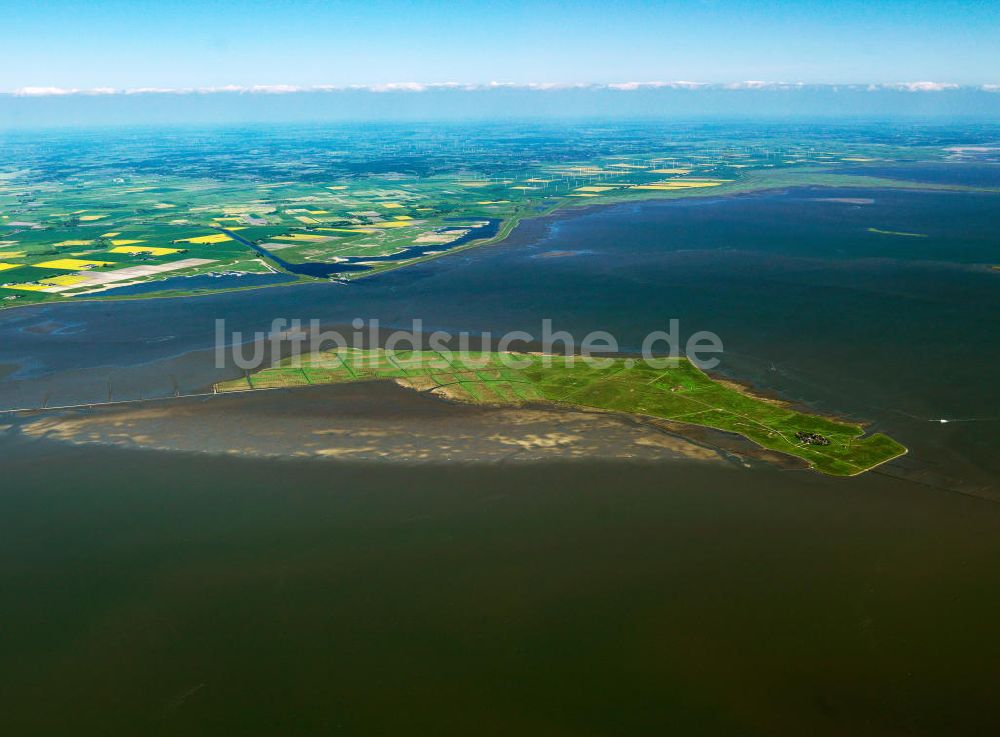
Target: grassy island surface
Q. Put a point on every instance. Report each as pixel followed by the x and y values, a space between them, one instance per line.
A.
pixel 680 392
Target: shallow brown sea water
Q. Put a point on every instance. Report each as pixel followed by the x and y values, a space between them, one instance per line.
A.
pixel 146 592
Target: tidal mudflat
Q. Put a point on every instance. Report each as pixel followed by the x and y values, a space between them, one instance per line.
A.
pixel 371 422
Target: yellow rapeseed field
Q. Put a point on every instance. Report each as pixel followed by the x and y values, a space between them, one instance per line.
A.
pixel 215 238
pixel 72 263
pixel 145 249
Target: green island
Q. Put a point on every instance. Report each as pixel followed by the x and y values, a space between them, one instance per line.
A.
pixel 678 392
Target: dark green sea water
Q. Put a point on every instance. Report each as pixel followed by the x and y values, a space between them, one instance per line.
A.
pixel 146 592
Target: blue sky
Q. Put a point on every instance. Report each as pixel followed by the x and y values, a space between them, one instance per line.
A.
pixel 211 43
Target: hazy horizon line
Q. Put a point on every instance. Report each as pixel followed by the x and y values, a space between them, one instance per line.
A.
pixel 417 87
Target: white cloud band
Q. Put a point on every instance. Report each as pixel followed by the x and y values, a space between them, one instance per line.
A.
pixel 416 87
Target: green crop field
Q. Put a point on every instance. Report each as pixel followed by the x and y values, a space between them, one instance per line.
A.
pixel 678 392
